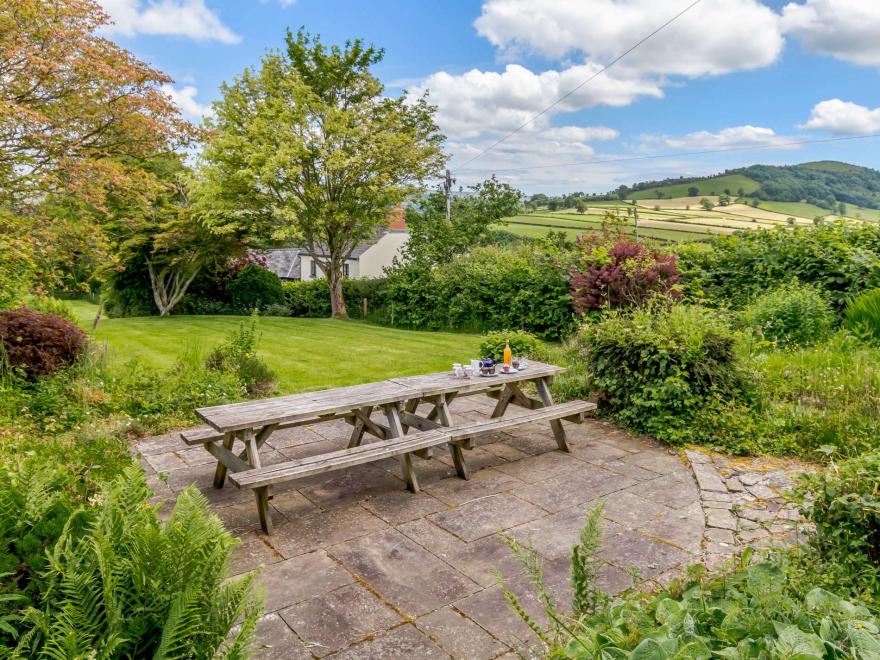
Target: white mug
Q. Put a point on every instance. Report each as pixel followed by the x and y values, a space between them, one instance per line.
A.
pixel 475 365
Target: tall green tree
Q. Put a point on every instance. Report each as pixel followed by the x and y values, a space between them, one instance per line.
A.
pixel 434 240
pixel 306 147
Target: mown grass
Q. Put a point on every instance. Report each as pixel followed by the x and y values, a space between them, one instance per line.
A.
pixel 305 354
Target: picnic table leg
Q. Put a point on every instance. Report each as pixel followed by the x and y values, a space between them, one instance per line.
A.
pixel 392 413
pixel 220 472
pixel 444 417
pixel 357 433
pixel 504 400
pixel 261 494
pixel 543 386
pixel 411 406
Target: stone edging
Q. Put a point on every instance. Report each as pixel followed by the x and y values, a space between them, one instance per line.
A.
pixel 744 503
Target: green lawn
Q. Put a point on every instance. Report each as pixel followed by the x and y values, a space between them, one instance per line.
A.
pixel 306 354
pixel 713 186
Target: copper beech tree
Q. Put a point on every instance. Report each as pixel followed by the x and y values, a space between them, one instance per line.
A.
pixel 306 147
pixel 74 105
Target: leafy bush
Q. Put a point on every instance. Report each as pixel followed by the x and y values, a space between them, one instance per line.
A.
pixel 521 343
pixel 255 288
pixel 54 306
pixel 655 369
pixel 862 316
pixel 98 390
pixel 625 272
pixel 488 288
pixel 758 610
pixel 120 583
pixel 38 343
pixel 839 259
pixel 311 298
pixel 790 315
pixel 843 502
pixel 238 355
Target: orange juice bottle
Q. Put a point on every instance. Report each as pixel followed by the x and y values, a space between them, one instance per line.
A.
pixel 508 354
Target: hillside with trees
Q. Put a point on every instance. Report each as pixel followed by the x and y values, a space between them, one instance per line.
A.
pixel 825 184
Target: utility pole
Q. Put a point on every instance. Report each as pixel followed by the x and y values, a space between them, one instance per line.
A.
pixel 448 182
pixel 636 220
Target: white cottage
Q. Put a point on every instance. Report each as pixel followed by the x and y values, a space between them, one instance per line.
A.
pixel 369 259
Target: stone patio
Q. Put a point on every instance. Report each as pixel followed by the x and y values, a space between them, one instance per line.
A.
pixel 358 567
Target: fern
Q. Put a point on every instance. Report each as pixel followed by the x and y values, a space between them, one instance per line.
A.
pixel 131 586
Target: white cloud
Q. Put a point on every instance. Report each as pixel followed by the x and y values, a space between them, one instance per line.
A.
pixel 843 118
pixel 845 29
pixel 185 18
pixel 185 99
pixel 541 152
pixel 733 137
pixel 715 37
pixel 479 101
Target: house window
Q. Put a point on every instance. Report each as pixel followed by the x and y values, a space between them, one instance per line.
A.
pixel 345 270
pixel 314 269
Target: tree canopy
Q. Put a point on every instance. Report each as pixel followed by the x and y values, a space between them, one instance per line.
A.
pixel 71 102
pixel 306 148
pixel 434 240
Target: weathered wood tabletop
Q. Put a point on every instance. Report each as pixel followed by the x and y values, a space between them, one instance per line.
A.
pixel 308 405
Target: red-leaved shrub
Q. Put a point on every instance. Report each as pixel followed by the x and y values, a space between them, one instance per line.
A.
pixel 38 343
pixel 623 273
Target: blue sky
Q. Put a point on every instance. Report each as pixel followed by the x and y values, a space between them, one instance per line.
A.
pixel 727 74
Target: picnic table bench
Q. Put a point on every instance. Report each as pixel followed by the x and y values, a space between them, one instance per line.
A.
pixel 404 434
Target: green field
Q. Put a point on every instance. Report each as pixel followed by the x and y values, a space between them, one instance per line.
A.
pixel 306 354
pixel 805 210
pixel 713 186
pixel 535 225
pixel 801 209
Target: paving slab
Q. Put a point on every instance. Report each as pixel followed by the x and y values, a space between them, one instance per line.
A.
pixel 403 573
pixel 276 641
pixel 485 516
pixel 459 636
pixel 479 560
pixel 403 642
pixel 334 620
pixel 554 536
pixel 253 550
pixel 455 491
pixel 318 528
pixel 401 506
pixel 540 467
pixel 651 557
pixel 568 490
pixel 295 580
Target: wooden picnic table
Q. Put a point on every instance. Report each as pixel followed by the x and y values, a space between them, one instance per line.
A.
pixel 253 422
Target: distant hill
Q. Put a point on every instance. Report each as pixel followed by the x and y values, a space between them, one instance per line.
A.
pixel 824 184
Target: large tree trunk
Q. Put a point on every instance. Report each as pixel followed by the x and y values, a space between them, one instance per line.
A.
pixel 334 278
pixel 169 284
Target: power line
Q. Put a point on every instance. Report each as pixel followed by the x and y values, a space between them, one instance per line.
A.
pixel 573 90
pixel 623 159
